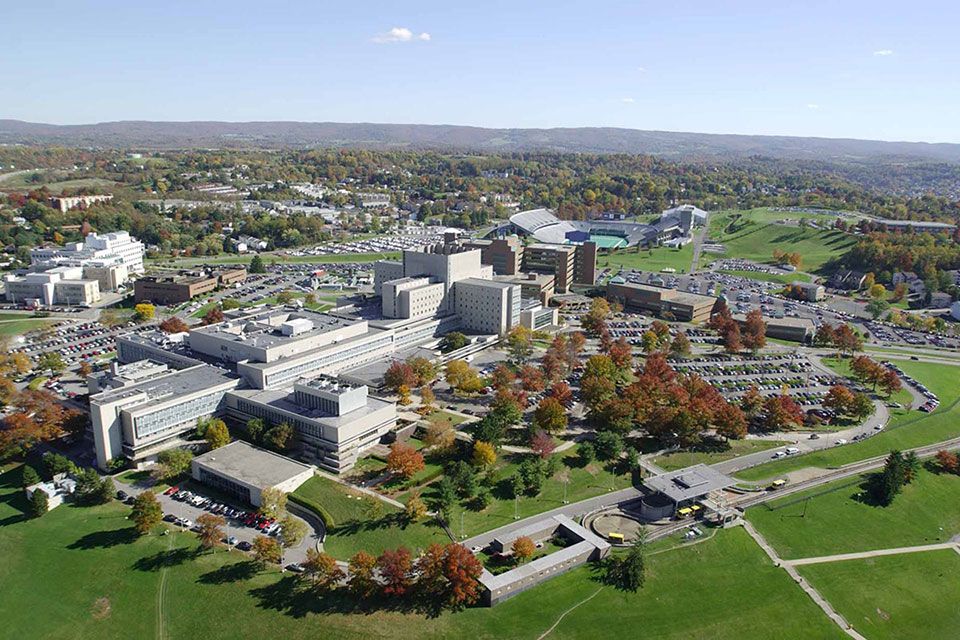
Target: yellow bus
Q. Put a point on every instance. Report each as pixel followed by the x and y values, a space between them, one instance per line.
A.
pixel 616 537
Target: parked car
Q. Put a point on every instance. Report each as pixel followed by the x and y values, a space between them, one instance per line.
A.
pixel 243 545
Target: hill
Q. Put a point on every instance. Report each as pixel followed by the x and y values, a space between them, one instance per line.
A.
pixel 678 145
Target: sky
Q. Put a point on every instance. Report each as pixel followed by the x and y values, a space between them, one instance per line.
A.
pixel 875 70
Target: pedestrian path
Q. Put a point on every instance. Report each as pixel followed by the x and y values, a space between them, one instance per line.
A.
pixel 818 599
pixel 840 557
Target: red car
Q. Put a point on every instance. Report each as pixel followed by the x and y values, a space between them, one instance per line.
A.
pixel 171 491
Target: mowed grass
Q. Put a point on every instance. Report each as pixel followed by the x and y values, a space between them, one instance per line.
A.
pixel 712 455
pixel 839 518
pixel 754 234
pixel 366 524
pixel 904 597
pixel 78 573
pixel 15 324
pixel 655 259
pixel 907 429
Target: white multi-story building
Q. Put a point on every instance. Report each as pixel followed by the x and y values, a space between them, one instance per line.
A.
pixel 60 286
pixel 117 248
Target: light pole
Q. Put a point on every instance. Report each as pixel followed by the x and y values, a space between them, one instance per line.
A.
pixel 462 534
pixel 516 507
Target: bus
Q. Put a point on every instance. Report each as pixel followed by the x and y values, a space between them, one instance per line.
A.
pixel 615 537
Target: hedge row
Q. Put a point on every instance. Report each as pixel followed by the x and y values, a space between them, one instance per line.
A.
pixel 322 513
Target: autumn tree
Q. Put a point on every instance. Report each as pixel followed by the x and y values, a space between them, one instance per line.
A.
pixel 550 416
pixel 520 343
pixel 484 454
pixel 211 529
pixel 396 571
pixel 266 551
pixel 531 379
pixel 522 549
pixel 948 461
pixel 399 374
pixel 754 334
pixel 423 369
pixel 839 399
pixel 362 570
pixel 730 422
pixel 890 382
pixel 322 570
pixel 594 321
pixel 440 435
pixel 542 444
pixel 173 324
pixel 146 513
pixel 273 502
pixel 213 316
pixel 680 347
pixel 144 312
pixel 415 509
pixel 172 463
pixel 217 435
pixel 502 377
pixel 782 413
pixel 404 461
pixel 562 393
pixel 427 398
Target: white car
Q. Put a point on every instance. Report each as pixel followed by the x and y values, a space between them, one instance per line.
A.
pixel 841 441
pixel 779 454
pixel 791 451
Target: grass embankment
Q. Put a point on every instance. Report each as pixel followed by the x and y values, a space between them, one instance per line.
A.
pixel 80 573
pixel 754 234
pixel 714 454
pixel 907 429
pixel 841 518
pixel 15 324
pixel 902 597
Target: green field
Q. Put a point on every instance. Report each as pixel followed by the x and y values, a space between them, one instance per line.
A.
pixel 712 455
pixel 754 235
pixel 359 527
pixel 654 259
pixel 837 518
pixel 79 573
pixel 907 429
pixel 903 597
pixel 15 324
pixel 53 182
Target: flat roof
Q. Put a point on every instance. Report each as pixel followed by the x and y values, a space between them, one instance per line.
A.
pixel 174 383
pixel 282 399
pixel 251 465
pixel 480 282
pixel 262 329
pixel 797 323
pixel 689 483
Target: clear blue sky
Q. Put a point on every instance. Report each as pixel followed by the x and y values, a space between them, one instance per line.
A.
pixel 880 70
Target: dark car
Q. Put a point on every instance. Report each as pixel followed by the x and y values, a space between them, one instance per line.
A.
pixel 243 545
pixel 122 495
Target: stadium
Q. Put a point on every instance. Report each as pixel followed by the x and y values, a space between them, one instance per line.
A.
pixel 543 226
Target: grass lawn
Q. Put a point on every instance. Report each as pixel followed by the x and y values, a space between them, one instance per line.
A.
pixel 712 455
pixel 907 429
pixel 15 324
pixel 781 278
pixel 653 259
pixel 583 482
pixel 79 573
pixel 835 519
pixel 903 597
pixel 362 526
pixel 753 235
pixel 441 416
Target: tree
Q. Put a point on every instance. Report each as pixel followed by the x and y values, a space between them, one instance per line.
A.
pixel 461 571
pixel 173 324
pixel 532 473
pixel 404 393
pixel 550 416
pixel 484 454
pixel 256 265
pixel 292 531
pixel 423 369
pixel 29 476
pixel 754 334
pixel 621 355
pixel 228 304
pixel 825 336
pixel 680 347
pixel 506 407
pixel 562 393
pixel 217 435
pixel 286 297
pixel 595 320
pixel 415 509
pixel 502 377
pixel 847 340
pixel 649 342
pixel 440 435
pixel 878 292
pixel 628 572
pixel 146 513
pixel 609 445
pixel 280 437
pixel 462 377
pixel 85 368
pixel 587 452
pixel 783 413
pixel 889 482
pixel 862 406
pixel 404 461
pixel 868 281
pixel 730 421
pixel 57 463
pixel 542 444
pixel 91 488
pixel 255 429
pixel 213 316
pixel 395 568
pixel 531 379
pixel 51 361
pixel 399 374
pixel 839 399
pixel 522 549
pixel 322 570
pixel 144 312
pixel 172 463
pixel 520 343
pixel 273 502
pixel 948 461
pixel 890 382
pixel 211 529
pixel 39 502
pixel 266 550
pixel 899 292
pixel 427 398
pixel 453 341
pixel 362 567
